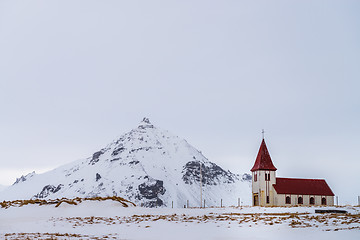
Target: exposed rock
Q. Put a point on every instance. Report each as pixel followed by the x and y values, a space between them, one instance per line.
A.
pixel 211 174
pixel 119 149
pixel 153 203
pixel 134 162
pixel 145 123
pixel 47 190
pixel 151 190
pixel 24 178
pixel 98 176
pixel 246 177
pixel 95 157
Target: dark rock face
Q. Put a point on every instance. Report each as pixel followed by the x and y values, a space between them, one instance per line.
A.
pixel 211 175
pixel 246 177
pixel 153 203
pixel 47 190
pixel 19 180
pixel 145 124
pixel 24 178
pixel 134 162
pixel 140 149
pixel 98 177
pixel 95 157
pixel 151 190
pixel 119 149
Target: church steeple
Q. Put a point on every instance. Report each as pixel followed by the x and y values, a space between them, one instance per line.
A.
pixel 263 159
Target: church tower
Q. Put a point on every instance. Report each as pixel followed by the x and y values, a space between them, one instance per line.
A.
pixel 263 178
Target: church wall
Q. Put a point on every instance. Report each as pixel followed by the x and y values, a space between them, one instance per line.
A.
pixel 281 200
pixel 264 188
pixel 330 200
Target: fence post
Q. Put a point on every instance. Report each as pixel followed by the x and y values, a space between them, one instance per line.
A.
pixel 358 200
pixel 204 203
pixel 187 203
pixel 221 203
pixel 172 204
pixel 238 202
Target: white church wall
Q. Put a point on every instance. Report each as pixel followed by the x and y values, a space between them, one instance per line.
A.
pixel 264 188
pixel 281 200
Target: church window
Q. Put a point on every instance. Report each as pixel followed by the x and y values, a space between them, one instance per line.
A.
pixel 267 176
pixel 323 201
pixel 300 200
pixel 255 177
pixel 288 200
pixel 267 199
pixel 312 201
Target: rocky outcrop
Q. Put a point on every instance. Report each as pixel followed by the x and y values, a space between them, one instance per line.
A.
pixel 47 190
pixel 24 178
pixel 211 174
pixel 151 190
pixel 95 157
pixel 246 177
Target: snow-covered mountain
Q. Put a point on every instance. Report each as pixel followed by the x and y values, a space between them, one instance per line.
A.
pixel 147 166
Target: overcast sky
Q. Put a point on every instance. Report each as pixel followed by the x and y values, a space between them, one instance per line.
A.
pixel 74 75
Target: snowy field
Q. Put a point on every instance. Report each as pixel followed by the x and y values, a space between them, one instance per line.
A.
pixel 110 220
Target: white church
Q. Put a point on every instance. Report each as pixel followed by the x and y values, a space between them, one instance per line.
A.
pixel 269 190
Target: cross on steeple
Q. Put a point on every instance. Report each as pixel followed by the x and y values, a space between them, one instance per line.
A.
pixel 263 133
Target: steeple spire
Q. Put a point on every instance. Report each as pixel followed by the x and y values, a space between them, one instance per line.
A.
pixel 263 159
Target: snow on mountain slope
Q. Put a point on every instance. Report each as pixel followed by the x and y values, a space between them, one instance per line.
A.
pixel 147 166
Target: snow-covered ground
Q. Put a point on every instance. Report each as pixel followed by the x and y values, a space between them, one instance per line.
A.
pixel 108 219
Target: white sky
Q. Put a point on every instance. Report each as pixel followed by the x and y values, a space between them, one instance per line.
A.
pixel 74 75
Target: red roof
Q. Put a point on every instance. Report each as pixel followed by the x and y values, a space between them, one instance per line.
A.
pixel 302 186
pixel 263 159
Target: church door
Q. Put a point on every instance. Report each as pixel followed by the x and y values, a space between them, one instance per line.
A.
pixel 256 200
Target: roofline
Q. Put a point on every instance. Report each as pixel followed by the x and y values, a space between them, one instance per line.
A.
pixel 317 179
pixel 263 169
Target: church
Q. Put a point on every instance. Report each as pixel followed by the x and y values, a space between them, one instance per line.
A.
pixel 269 190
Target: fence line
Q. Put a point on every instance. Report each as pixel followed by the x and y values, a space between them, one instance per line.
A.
pixel 187 205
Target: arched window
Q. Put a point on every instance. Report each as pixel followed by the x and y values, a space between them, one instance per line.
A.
pixel 300 200
pixel 312 201
pixel 288 200
pixel 323 201
pixel 255 176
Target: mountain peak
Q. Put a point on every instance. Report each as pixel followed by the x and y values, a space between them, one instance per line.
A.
pixel 148 166
pixel 145 123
